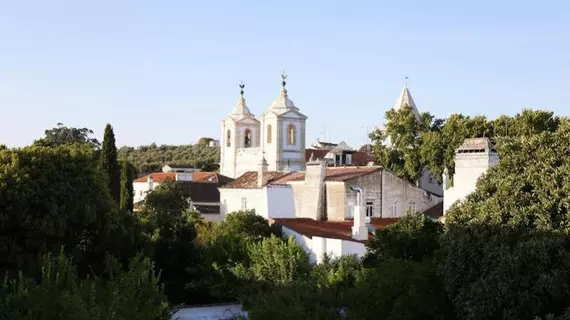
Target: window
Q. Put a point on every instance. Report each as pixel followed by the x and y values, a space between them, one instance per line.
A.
pixel 412 207
pixel 247 138
pixel 268 133
pixel 394 209
pixel 291 135
pixel 229 138
pixel 369 208
pixel 243 204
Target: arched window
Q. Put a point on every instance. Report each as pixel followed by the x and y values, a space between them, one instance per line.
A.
pixel 229 138
pixel 268 133
pixel 247 138
pixel 291 135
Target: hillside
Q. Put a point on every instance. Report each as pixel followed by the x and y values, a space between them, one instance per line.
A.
pixel 152 157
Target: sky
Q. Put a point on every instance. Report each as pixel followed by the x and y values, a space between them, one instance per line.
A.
pixel 168 71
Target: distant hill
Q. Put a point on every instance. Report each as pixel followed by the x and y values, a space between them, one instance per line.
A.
pixel 152 157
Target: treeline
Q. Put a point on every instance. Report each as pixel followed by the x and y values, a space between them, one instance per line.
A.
pixel 430 143
pixel 152 157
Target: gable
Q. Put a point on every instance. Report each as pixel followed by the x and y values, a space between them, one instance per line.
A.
pixel 248 121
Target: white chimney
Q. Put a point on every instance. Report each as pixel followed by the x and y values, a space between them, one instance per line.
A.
pixel 150 182
pixel 359 229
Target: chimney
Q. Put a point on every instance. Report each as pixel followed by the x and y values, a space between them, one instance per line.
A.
pixel 359 229
pixel 150 182
pixel 262 172
pixel 313 197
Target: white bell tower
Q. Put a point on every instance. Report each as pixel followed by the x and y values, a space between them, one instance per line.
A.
pixel 283 133
pixel 240 140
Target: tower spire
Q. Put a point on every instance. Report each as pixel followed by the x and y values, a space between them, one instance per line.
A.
pixel 406 82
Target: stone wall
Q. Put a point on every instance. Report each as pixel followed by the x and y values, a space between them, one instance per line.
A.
pixel 398 195
pixel 313 191
pixel 336 200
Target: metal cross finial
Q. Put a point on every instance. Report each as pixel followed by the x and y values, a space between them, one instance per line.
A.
pixel 284 77
pixel 406 81
pixel 241 85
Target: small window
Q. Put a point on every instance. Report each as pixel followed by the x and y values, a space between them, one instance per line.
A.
pixel 247 138
pixel 291 135
pixel 269 133
pixel 243 203
pixel 394 209
pixel 412 206
pixel 369 208
pixel 229 138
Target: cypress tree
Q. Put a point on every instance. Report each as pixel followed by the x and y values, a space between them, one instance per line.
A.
pixel 109 165
pixel 127 177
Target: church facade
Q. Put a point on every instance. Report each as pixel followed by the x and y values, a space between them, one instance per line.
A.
pixel 277 135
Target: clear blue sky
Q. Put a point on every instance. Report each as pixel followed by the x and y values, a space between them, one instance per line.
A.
pixel 167 71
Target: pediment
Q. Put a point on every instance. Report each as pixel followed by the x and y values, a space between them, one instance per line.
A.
pixel 248 121
pixel 292 114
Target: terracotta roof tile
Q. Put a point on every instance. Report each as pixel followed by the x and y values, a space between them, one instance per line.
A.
pixel 158 177
pixel 248 180
pixel 328 229
pixel 332 174
pixel 199 176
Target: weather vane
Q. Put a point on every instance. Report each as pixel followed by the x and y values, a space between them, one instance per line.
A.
pixel 406 81
pixel 284 77
pixel 241 85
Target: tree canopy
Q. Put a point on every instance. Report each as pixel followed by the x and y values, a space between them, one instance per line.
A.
pixel 61 135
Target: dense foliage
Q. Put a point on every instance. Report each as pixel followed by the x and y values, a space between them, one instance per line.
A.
pixel 61 135
pixel 152 157
pixel 430 143
pixel 109 164
pixel 127 191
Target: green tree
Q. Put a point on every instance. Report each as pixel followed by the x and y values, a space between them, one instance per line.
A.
pixel 109 164
pixel 403 130
pixel 127 192
pixel 413 238
pixel 60 293
pixel 507 246
pixel 52 197
pixel 399 289
pixel 61 135
pixel 174 250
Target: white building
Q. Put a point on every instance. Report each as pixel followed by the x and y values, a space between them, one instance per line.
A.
pixel 278 134
pixel 143 185
pixel 472 159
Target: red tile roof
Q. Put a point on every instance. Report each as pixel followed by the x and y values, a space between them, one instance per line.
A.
pixel 158 177
pixel 328 229
pixel 332 174
pixel 248 180
pixel 199 176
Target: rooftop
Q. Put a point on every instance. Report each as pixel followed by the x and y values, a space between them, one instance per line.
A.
pixel 198 176
pixel 328 229
pixel 332 174
pixel 476 145
pixel 248 180
pixel 435 211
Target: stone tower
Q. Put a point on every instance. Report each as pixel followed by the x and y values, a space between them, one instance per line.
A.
pixel 472 159
pixel 283 133
pixel 240 140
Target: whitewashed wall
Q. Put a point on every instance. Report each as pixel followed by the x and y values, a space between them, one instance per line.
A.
pixel 280 202
pixel 231 200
